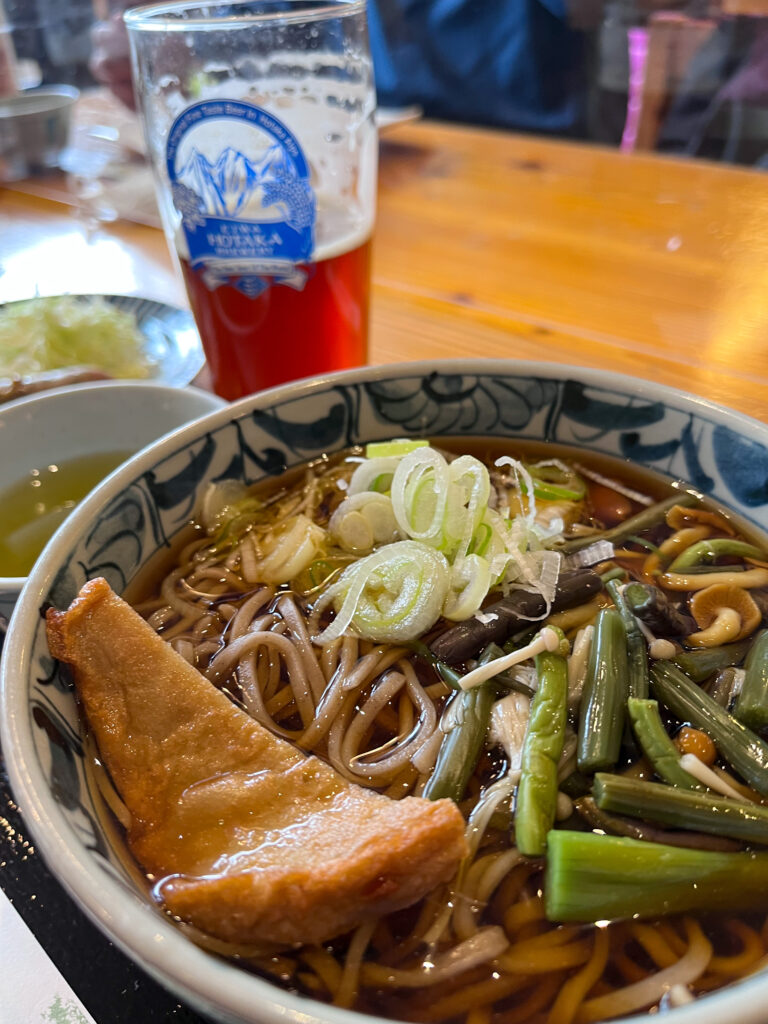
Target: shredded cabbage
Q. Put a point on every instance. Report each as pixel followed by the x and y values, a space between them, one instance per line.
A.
pixel 53 333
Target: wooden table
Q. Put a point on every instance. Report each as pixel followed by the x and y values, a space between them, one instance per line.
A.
pixel 493 244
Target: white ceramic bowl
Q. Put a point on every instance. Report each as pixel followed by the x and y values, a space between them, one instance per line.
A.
pixel 87 419
pixel 125 520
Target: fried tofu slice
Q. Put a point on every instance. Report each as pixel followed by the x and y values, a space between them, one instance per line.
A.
pixel 243 835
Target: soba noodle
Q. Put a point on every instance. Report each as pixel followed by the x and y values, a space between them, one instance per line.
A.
pixel 480 949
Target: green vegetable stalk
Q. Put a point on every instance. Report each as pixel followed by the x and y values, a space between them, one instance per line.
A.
pixel 653 801
pixel 741 747
pixel 656 744
pixel 604 700
pixel 637 650
pixel 462 746
pixel 711 549
pixel 700 665
pixel 597 878
pixel 751 705
pixel 537 791
pixel 644 520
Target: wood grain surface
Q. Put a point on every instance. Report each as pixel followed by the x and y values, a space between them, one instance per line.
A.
pixel 495 244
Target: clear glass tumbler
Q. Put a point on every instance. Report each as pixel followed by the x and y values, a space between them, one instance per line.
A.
pixel 259 119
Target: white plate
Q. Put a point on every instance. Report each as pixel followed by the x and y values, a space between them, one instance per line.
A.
pixel 172 343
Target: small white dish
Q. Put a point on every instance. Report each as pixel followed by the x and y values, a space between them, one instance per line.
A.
pixel 172 343
pixel 88 419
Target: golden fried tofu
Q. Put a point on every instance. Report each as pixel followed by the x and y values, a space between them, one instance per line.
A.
pixel 245 836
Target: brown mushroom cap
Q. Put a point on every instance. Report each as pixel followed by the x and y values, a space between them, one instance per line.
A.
pixel 725 613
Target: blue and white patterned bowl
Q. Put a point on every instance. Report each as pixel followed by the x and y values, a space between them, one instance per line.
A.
pixel 140 508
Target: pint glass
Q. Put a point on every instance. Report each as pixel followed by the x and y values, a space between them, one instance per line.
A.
pixel 259 118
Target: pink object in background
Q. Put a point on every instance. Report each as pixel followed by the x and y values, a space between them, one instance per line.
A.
pixel 638 60
pixel 8 77
pixel 638 43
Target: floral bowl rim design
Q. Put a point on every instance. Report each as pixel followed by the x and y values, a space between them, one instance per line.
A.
pixel 557 397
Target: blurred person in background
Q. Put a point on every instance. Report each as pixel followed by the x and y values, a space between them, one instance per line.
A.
pixel 553 67
pixel 514 63
pixel 519 64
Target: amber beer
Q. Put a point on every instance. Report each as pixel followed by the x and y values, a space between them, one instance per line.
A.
pixel 284 332
pixel 260 123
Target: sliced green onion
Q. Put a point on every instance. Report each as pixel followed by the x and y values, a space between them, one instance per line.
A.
pixel 373 471
pixel 363 521
pixel 554 481
pixel 469 584
pixel 420 494
pixel 290 551
pixel 393 595
pixel 481 539
pixel 396 448
pixel 382 483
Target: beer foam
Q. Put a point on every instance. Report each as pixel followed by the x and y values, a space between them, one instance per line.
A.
pixel 340 229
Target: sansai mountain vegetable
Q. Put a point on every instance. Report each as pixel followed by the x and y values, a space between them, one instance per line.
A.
pixel 713 548
pixel 637 651
pixel 595 878
pixel 469 717
pixel 699 665
pixel 741 747
pixel 654 608
pixel 537 791
pixel 645 519
pixel 656 744
pixel 512 612
pixel 681 808
pixel 604 700
pixel 751 705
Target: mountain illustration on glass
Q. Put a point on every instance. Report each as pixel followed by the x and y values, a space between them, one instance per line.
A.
pixel 225 188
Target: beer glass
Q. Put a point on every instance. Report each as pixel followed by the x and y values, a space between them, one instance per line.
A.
pixel 259 118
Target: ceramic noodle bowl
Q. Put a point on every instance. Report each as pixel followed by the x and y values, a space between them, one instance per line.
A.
pixel 137 512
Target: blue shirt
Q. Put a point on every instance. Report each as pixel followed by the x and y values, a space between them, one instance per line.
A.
pixel 513 63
